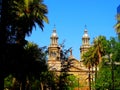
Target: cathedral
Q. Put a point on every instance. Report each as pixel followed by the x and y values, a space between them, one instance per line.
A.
pixel 78 69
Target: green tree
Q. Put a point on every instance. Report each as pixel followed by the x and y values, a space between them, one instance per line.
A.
pixel 3 39
pixel 66 64
pixel 48 80
pixel 26 14
pixel 33 67
pixel 89 61
pixel 103 80
pixel 108 74
pixel 35 62
pixel 8 82
pixel 94 55
pixel 72 82
pixel 115 63
pixel 21 17
pixel 17 21
pixel 99 44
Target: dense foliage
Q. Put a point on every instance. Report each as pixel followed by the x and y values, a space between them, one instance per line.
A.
pixel 104 56
pixel 109 71
pixel 17 19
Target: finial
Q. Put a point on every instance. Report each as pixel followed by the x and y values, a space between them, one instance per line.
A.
pixel 85 35
pixel 85 30
pixel 54 27
pixel 85 26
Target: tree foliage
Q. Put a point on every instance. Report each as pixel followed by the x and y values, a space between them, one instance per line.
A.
pixel 108 74
pixel 34 69
pixel 18 17
pixel 103 80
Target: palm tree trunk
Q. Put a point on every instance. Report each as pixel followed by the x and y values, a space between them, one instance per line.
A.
pixel 95 73
pixel 92 74
pixel 1 81
pixel 3 22
pixel 99 56
pixel 89 78
pixel 20 37
pixel 3 39
pixel 23 82
pixel 41 84
pixel 112 72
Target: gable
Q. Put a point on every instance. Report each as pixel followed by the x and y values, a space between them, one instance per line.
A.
pixel 76 69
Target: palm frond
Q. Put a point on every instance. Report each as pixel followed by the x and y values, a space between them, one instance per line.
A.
pixel 117 27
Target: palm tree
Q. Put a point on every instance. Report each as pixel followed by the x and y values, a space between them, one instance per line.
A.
pixel 94 55
pixel 32 65
pixel 17 20
pixel 89 62
pixel 25 15
pixel 99 47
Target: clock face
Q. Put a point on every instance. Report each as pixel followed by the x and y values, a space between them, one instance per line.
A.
pixel 55 67
pixel 53 54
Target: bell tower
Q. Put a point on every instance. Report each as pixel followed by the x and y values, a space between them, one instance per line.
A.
pixel 54 49
pixel 85 43
pixel 54 62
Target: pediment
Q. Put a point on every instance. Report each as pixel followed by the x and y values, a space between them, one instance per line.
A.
pixel 73 68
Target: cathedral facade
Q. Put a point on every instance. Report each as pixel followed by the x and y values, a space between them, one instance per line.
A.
pixel 78 69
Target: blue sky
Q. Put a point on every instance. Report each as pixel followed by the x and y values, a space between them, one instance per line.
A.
pixel 70 18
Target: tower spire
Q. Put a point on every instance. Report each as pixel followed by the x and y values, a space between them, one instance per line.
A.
pixel 54 27
pixel 85 26
pixel 54 38
pixel 85 42
pixel 54 49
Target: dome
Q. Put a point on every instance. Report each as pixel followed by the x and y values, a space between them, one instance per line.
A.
pixel 85 34
pixel 54 34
